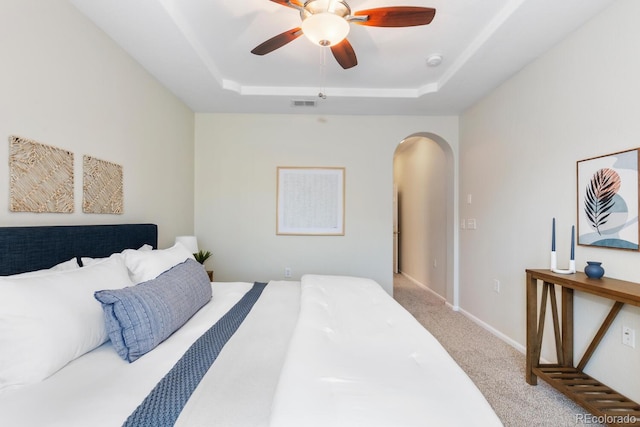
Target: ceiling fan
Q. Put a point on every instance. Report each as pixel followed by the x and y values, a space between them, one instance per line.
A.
pixel 326 23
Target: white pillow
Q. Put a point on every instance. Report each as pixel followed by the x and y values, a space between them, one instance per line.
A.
pixel 72 264
pixel 50 319
pixel 147 265
pixel 88 260
pixel 145 247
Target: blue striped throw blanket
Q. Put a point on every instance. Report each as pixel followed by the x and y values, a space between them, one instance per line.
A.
pixel 167 399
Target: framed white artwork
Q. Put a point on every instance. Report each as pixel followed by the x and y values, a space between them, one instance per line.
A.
pixel 310 201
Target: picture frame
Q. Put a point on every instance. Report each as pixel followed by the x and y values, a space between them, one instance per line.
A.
pixel 608 200
pixel 310 201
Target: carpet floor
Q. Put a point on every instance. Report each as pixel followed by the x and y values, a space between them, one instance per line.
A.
pixel 495 367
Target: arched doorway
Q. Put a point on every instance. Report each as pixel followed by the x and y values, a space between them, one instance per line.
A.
pixel 425 178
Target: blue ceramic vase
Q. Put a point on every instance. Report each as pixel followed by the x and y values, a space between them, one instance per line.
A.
pixel 594 270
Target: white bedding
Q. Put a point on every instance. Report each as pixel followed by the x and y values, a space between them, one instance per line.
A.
pixel 357 358
pixel 353 357
pixel 101 389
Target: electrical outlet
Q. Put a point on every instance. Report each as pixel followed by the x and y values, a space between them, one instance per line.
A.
pixel 629 336
pixel 496 286
pixel 287 272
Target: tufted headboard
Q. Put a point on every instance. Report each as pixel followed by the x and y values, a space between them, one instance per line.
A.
pixel 34 248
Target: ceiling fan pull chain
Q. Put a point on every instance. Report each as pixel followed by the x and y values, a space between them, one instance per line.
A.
pixel 323 73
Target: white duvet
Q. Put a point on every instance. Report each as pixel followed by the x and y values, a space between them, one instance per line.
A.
pixel 326 351
pixel 357 358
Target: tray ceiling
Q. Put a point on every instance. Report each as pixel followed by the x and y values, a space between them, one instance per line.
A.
pixel 200 50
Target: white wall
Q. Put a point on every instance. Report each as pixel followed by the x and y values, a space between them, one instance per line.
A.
pixel 420 167
pixel 518 153
pixel 236 160
pixel 65 83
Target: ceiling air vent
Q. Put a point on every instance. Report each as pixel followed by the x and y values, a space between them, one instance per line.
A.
pixel 303 103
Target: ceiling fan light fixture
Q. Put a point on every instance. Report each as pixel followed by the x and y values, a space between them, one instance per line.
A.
pixel 325 28
pixel 326 23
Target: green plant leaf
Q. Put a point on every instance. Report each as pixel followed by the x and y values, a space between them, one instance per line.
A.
pixel 201 256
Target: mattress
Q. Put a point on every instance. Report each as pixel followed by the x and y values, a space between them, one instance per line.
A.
pixel 325 351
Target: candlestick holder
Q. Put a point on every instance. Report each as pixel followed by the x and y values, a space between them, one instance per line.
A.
pixel 554 257
pixel 554 265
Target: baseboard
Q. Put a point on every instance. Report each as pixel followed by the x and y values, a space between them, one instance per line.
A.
pixel 494 331
pixel 431 291
pixel 470 316
pixel 425 287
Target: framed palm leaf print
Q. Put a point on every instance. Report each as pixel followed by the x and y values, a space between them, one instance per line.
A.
pixel 608 201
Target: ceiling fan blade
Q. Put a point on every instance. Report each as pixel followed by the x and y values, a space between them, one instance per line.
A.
pixel 344 54
pixel 277 42
pixel 400 16
pixel 289 3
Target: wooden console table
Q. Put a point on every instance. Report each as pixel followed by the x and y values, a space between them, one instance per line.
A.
pixel 586 391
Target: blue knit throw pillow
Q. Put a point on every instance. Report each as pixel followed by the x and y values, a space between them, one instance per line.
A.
pixel 140 317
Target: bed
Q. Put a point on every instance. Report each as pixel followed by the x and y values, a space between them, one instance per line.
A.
pixel 322 351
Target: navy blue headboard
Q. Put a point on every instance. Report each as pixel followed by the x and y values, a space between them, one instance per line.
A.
pixel 34 248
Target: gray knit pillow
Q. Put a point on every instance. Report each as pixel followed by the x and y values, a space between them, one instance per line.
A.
pixel 140 317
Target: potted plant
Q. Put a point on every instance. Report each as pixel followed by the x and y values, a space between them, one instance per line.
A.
pixel 201 256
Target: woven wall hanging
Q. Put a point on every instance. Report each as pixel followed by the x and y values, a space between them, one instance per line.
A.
pixel 41 177
pixel 102 187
